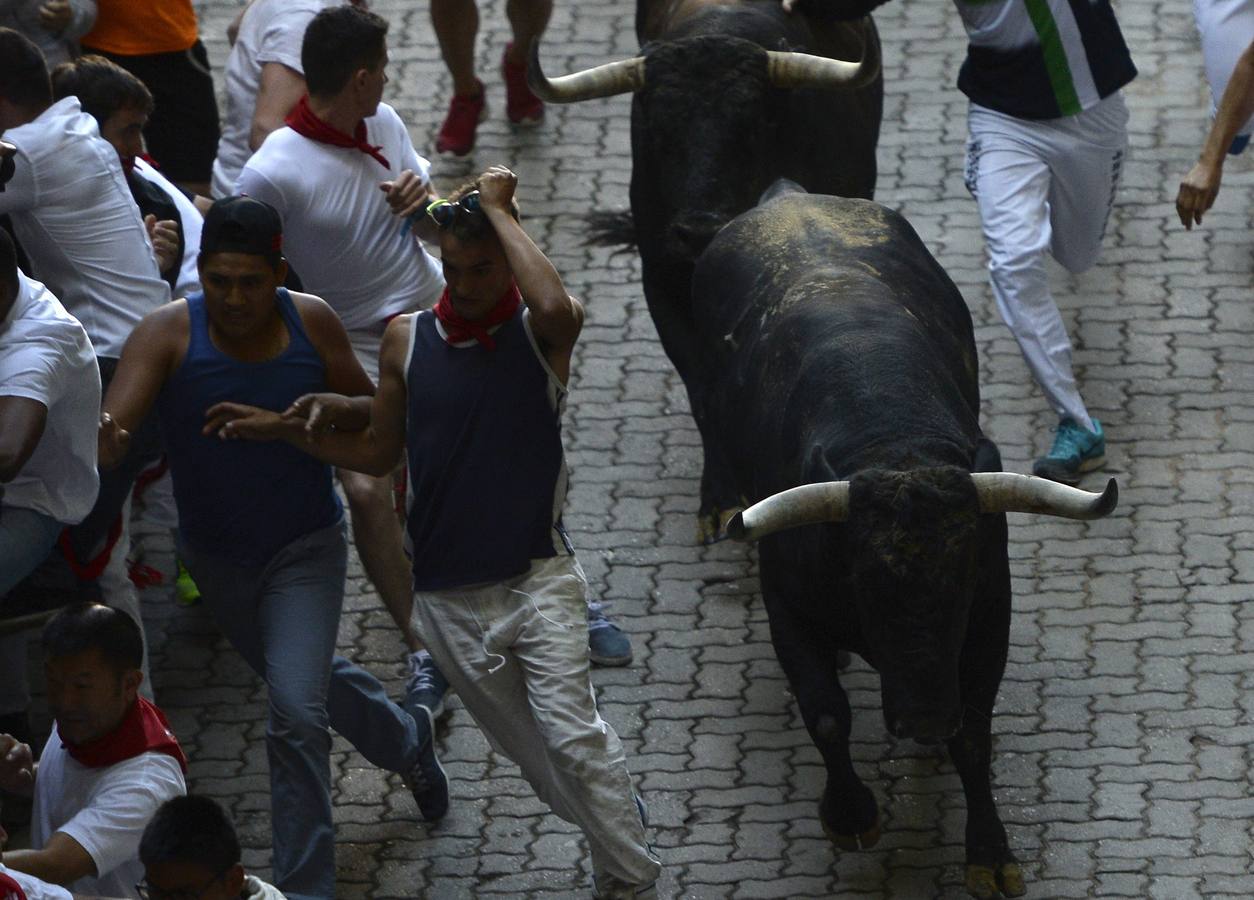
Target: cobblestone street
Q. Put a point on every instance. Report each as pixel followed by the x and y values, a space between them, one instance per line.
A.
pixel 1121 755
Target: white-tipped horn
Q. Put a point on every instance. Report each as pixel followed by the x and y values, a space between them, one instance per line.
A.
pixel 1010 492
pixel 808 504
pixel 804 70
pixel 621 77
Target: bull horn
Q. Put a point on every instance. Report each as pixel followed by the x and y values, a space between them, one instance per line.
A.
pixel 809 504
pixel 621 77
pixel 1009 492
pixel 804 70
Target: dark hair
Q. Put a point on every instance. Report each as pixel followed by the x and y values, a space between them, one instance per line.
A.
pixel 468 226
pixel 101 86
pixel 91 626
pixel 190 829
pixel 337 43
pixel 23 71
pixel 8 264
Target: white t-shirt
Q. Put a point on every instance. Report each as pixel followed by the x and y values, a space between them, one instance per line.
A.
pixel 191 220
pixel 270 32
pixel 338 230
pixel 32 887
pixel 104 810
pixel 75 217
pixel 45 356
pixel 256 889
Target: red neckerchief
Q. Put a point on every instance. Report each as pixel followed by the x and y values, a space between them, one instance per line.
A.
pixel 303 121
pixel 128 162
pixel 10 889
pixel 459 329
pixel 144 729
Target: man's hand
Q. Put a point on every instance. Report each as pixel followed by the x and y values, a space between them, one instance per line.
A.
pixel 1197 193
pixel 164 235
pixel 55 15
pixel 232 421
pixel 17 766
pixel 320 413
pixel 112 442
pixel 788 5
pixel 496 187
pixel 407 194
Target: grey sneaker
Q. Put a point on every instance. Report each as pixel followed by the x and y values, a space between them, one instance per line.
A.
pixel 607 645
pixel 426 780
pixel 425 687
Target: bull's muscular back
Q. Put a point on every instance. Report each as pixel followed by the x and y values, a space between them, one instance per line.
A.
pixel 820 309
pixel 656 18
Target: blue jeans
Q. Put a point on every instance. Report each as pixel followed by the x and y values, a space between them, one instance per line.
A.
pixel 26 537
pixel 283 619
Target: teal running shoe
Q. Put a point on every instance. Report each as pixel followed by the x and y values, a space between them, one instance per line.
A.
pixel 1075 451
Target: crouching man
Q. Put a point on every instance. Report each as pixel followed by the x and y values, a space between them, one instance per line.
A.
pixel 474 391
pixel 260 527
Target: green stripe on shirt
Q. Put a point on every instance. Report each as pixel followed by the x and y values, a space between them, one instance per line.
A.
pixel 1055 57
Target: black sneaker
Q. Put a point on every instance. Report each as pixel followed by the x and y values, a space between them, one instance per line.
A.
pixel 426 780
pixel 425 687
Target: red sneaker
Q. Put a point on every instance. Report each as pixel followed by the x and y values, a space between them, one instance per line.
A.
pixel 457 134
pixel 522 106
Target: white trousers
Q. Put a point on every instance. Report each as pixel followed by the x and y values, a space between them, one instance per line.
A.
pixel 1226 28
pixel 1044 185
pixel 516 653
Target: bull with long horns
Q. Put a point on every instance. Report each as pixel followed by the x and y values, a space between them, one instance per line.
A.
pixel 728 96
pixel 843 384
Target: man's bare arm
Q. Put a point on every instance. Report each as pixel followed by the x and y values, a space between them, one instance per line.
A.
pixel 147 359
pixel 319 423
pixel 278 92
pixel 556 317
pixel 61 861
pixel 1200 186
pixel 22 422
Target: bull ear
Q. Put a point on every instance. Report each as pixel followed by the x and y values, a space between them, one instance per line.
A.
pixel 1009 492
pixel 621 77
pixel 809 504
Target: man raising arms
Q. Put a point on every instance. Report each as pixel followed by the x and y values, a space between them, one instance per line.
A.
pixel 473 393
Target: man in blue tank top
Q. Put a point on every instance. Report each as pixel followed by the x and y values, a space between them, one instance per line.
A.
pixel 473 392
pixel 260 526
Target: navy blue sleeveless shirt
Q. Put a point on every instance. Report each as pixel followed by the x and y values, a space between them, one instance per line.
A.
pixel 487 475
pixel 244 500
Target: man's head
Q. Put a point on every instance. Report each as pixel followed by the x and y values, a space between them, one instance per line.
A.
pixel 189 850
pixel 92 657
pixel 476 269
pixel 25 91
pixel 118 101
pixel 8 275
pixel 345 50
pixel 241 264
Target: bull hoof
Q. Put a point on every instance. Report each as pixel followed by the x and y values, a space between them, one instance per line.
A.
pixel 864 841
pixel 986 882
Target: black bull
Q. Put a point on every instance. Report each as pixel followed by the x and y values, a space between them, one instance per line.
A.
pixel 840 357
pixel 713 125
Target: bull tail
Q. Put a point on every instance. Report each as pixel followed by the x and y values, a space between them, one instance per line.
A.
pixel 611 228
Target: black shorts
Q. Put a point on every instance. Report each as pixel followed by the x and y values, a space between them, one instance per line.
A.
pixel 182 132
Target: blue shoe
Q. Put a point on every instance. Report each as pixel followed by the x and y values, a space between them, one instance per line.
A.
pixel 607 645
pixel 426 686
pixel 1075 451
pixel 426 780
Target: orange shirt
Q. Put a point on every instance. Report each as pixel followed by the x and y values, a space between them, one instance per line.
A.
pixel 142 27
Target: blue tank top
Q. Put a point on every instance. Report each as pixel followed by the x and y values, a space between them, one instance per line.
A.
pixel 487 475
pixel 242 499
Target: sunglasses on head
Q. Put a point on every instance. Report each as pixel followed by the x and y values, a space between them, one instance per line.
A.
pixel 443 212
